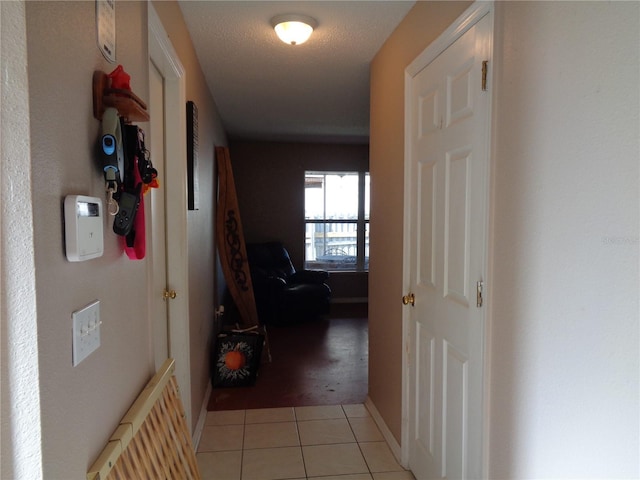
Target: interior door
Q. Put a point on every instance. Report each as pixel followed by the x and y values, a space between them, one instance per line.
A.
pixel 173 183
pixel 447 184
pixel 157 270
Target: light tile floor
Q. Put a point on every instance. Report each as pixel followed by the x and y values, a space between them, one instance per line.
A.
pixel 340 442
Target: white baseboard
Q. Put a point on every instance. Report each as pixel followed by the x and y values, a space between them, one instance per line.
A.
pixel 197 432
pixel 386 433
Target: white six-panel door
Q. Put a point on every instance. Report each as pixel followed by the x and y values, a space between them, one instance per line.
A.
pixel 157 245
pixel 171 112
pixel 447 165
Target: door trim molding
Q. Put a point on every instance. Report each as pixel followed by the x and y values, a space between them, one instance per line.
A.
pixel 459 27
pixel 166 60
pixel 468 19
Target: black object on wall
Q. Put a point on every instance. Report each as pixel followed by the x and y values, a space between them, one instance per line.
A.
pixel 193 202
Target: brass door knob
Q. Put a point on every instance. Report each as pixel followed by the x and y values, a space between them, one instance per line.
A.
pixel 409 299
pixel 169 294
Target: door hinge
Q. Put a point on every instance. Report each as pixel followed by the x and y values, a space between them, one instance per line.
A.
pixel 479 299
pixel 484 75
pixel 167 294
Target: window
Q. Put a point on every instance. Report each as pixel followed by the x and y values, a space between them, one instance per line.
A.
pixel 336 212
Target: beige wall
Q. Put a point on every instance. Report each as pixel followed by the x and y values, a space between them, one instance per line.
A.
pixel 80 406
pixel 424 22
pixel 269 179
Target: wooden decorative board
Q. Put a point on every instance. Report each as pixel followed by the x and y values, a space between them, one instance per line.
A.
pixel 231 244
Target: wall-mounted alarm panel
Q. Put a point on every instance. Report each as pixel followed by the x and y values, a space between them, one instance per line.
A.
pixel 83 220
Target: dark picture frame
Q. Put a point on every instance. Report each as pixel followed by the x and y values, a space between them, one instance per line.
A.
pixel 236 359
pixel 193 202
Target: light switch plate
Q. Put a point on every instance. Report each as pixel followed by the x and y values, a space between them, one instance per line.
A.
pixel 86 331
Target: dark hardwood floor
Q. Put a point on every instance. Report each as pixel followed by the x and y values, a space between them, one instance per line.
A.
pixel 321 362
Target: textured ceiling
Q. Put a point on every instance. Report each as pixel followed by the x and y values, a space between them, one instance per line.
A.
pixel 265 89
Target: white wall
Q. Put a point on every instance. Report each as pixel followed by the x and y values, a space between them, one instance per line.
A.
pixel 21 455
pixel 564 388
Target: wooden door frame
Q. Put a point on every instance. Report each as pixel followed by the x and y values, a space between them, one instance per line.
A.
pixel 166 60
pixel 466 21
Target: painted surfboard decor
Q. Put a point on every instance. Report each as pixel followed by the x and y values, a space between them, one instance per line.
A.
pixel 231 244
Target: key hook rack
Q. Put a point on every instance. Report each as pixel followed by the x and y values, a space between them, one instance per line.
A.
pixel 129 105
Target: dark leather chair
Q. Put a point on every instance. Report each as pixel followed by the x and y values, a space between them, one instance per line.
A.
pixel 284 295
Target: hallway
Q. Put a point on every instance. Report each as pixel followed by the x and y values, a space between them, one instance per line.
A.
pixel 320 362
pixel 338 442
pixel 305 417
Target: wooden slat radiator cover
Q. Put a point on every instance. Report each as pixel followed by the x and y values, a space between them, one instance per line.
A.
pixel 152 440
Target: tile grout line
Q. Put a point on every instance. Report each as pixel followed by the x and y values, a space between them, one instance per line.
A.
pixel 244 430
pixel 304 464
pixel 297 421
pixel 357 442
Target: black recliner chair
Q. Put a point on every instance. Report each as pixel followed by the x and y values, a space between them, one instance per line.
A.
pixel 284 295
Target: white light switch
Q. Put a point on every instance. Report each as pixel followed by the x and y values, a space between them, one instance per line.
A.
pixel 86 331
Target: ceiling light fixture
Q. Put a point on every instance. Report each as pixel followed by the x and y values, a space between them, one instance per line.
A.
pixel 293 29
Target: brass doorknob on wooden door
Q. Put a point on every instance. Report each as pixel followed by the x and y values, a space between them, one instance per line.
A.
pixel 409 299
pixel 169 294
